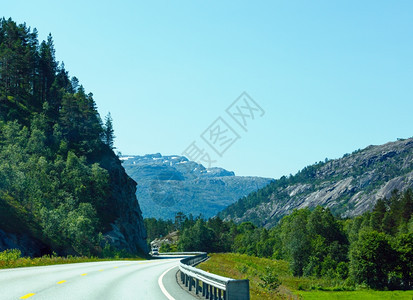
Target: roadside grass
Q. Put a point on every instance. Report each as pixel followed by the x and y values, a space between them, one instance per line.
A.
pixel 12 259
pixel 241 266
pixel 358 295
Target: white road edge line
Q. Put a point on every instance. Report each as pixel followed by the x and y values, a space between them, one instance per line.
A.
pixel 163 289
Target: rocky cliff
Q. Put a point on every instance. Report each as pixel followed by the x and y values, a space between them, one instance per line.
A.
pixel 127 230
pixel 169 184
pixel 348 186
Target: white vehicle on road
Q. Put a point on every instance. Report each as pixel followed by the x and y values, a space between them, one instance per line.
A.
pixel 155 251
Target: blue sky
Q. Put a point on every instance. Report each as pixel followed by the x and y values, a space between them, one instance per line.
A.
pixel 331 76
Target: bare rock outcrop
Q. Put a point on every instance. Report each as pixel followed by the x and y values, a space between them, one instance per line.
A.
pixel 349 186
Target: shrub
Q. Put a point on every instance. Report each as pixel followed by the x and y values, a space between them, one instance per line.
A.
pixel 10 255
pixel 270 280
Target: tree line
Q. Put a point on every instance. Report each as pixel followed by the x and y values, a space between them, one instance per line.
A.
pixel 374 249
pixel 52 140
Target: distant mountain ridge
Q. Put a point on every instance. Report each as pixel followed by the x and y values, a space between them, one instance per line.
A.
pixel 170 184
pixel 349 186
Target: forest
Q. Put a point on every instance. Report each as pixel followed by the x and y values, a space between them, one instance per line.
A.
pixel 373 250
pixel 52 186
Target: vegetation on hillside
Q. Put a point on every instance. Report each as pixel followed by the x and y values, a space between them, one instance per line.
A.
pixel 365 171
pixel 157 228
pixel 271 279
pixel 52 186
pixel 264 274
pixel 374 250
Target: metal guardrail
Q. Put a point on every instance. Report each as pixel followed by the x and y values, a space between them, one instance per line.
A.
pixel 210 285
pixel 180 253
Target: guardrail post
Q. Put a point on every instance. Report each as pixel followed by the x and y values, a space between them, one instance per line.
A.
pixel 197 286
pixel 238 289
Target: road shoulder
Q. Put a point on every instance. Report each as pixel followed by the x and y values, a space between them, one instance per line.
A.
pixel 170 283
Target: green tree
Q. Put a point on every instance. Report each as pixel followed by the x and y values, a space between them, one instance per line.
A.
pixel 403 245
pixel 372 259
pixel 108 133
pixel 329 244
pixel 377 215
pixel 80 227
pixel 196 238
pixel 296 240
pixel 406 205
pixel 47 67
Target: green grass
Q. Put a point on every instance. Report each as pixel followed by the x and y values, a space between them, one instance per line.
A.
pixel 240 266
pixel 12 259
pixel 355 295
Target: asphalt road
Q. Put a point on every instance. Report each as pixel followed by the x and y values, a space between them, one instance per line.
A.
pixel 154 279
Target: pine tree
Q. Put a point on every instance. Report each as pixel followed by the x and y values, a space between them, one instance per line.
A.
pixel 18 54
pixel 47 67
pixel 108 136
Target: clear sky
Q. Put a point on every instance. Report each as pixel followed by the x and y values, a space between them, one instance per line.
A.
pixel 331 76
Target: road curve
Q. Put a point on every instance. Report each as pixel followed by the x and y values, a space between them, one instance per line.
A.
pixel 147 280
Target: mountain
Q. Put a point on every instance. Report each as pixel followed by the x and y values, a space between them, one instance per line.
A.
pixel 171 184
pixel 62 188
pixel 349 186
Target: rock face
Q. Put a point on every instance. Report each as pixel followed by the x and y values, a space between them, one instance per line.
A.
pixel 128 230
pixel 170 184
pixel 170 239
pixel 25 243
pixel 348 186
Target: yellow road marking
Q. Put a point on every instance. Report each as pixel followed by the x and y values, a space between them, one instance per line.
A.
pixel 101 270
pixel 27 296
pixel 84 274
pixel 61 281
pixel 115 267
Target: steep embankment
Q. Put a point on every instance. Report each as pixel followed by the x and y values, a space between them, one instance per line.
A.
pixel 62 188
pixel 348 186
pixel 128 230
pixel 171 184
